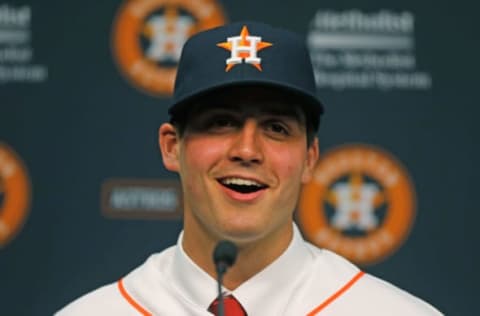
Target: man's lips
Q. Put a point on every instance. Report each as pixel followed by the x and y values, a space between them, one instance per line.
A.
pixel 242 184
pixel 241 188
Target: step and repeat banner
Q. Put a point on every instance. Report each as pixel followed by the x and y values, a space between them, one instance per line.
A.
pixel 84 86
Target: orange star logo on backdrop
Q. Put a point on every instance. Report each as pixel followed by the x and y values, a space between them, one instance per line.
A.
pixel 244 48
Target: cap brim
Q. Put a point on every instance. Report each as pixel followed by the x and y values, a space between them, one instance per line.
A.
pixel 305 99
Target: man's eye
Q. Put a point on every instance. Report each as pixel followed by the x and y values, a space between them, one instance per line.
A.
pixel 277 128
pixel 221 123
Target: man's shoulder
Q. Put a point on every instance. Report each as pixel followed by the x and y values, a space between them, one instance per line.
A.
pixel 106 299
pixel 350 289
pixel 390 298
pixel 115 298
pixel 328 263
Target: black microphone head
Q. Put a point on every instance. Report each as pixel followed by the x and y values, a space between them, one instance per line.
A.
pixel 225 252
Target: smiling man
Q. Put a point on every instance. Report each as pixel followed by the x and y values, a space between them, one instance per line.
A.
pixel 242 137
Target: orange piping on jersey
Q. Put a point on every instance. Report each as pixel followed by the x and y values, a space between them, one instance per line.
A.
pixel 130 300
pixel 337 294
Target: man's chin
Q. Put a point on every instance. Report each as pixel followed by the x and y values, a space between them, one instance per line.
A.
pixel 242 235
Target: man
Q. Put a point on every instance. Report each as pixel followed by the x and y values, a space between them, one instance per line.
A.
pixel 242 137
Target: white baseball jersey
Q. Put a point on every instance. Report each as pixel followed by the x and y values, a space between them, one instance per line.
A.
pixel 304 280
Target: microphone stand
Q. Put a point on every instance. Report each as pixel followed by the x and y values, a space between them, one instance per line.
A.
pixel 221 269
pixel 224 257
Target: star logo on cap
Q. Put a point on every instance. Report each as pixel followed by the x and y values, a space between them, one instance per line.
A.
pixel 244 48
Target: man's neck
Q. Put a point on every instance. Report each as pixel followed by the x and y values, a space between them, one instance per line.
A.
pixel 252 256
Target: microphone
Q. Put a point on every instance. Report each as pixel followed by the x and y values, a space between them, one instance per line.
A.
pixel 224 257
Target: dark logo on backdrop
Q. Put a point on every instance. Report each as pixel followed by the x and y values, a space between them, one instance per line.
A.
pixel 141 199
pixel 14 194
pixel 148 36
pixel 360 203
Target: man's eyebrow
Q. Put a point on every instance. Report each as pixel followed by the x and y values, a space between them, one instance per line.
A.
pixel 248 108
pixel 215 111
pixel 279 112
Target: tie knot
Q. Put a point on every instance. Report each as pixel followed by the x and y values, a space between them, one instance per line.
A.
pixel 231 307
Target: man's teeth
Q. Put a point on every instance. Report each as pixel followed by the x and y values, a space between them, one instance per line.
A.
pixel 238 181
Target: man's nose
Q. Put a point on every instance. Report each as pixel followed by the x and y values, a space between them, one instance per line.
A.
pixel 246 146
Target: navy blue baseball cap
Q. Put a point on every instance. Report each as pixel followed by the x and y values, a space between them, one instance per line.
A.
pixel 245 54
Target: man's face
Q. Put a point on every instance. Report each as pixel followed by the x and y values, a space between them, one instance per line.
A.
pixel 242 165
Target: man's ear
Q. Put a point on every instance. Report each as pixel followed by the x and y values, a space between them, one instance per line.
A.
pixel 313 153
pixel 168 141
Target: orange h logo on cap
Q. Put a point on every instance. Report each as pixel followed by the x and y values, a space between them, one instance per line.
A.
pixel 244 48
